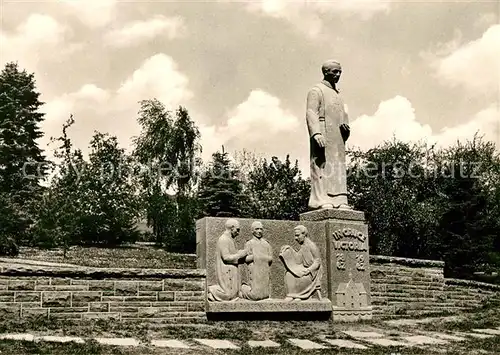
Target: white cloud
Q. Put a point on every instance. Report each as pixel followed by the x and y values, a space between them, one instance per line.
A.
pixel 474 65
pixel 136 32
pixel 396 118
pixel 115 111
pixel 486 123
pixel 35 38
pixel 260 124
pixel 92 13
pixel 486 20
pixel 307 16
pixel 157 77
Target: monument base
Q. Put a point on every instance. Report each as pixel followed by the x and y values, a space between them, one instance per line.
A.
pixel 269 306
pixel 332 214
pixel 340 314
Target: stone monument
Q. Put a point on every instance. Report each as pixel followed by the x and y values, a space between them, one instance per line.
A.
pixel 327 271
pixel 259 259
pixel 346 230
pixel 304 271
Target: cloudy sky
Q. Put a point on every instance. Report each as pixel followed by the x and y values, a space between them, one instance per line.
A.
pixel 413 69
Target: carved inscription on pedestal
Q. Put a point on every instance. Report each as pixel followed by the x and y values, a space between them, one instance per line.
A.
pixel 350 247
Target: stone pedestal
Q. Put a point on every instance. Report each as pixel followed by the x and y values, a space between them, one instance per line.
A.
pixel 276 233
pixel 348 262
pixel 341 236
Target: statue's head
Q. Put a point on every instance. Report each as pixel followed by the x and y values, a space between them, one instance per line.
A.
pixel 300 233
pixel 257 229
pixel 331 70
pixel 233 226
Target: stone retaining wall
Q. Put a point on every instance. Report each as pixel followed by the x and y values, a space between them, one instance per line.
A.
pixel 87 293
pixel 399 287
pixel 407 287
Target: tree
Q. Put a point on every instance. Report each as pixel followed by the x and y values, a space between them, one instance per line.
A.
pixel 111 206
pixel 391 185
pixel 277 190
pixel 430 203
pixel 168 146
pixel 89 202
pixel 471 221
pixel 20 155
pixel 22 163
pixel 220 190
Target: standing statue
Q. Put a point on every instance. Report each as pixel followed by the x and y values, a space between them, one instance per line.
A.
pixel 303 268
pixel 328 126
pixel 226 265
pixel 259 258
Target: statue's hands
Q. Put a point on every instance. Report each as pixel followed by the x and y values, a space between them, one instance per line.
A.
pixel 302 273
pixel 249 258
pixel 320 140
pixel 241 254
pixel 345 131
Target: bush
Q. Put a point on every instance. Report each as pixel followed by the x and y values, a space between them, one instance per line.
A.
pixel 8 246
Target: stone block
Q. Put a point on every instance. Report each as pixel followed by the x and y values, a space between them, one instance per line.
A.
pixel 332 214
pixel 148 293
pixel 69 310
pixel 140 299
pixel 272 306
pixel 352 315
pixel 123 309
pixel 126 288
pixel 61 288
pixel 101 315
pixel 73 315
pixel 56 299
pixel 187 296
pixel 348 268
pixel 183 285
pixel 196 306
pixel 81 283
pixel 89 296
pixel 132 304
pixel 157 312
pixel 101 285
pixel 58 281
pixel 35 312
pixel 98 307
pixel 28 296
pixel 113 298
pixel 166 296
pixel 10 312
pixel 42 281
pixel 151 286
pixel 276 233
pixel 22 285
pixel 7 298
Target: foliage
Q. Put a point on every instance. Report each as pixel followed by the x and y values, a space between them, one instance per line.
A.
pixel 88 202
pixel 220 192
pixel 430 203
pixel 277 190
pixel 22 163
pixel 168 146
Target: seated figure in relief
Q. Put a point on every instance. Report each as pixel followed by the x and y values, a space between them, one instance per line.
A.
pixel 303 268
pixel 226 265
pixel 259 258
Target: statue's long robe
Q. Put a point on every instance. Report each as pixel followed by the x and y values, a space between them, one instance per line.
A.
pixel 308 256
pixel 226 269
pixel 258 270
pixel 325 114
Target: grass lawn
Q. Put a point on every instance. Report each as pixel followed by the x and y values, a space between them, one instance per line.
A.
pixel 239 332
pixel 134 256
